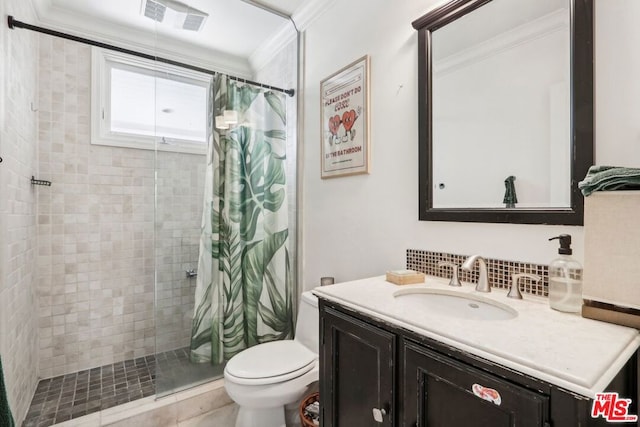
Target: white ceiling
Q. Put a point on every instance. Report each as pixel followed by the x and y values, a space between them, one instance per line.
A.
pixel 234 30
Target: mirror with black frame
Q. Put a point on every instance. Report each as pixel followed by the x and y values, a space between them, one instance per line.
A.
pixel 505 110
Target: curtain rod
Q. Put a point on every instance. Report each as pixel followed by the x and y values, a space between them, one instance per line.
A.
pixel 13 23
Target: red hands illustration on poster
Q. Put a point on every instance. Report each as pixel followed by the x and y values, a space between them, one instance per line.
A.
pixel 347 121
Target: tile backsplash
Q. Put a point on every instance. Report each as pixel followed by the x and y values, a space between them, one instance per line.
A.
pixel 499 271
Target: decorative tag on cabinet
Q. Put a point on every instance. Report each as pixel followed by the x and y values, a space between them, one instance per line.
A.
pixel 487 393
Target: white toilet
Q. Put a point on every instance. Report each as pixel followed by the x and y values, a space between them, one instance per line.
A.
pixel 264 378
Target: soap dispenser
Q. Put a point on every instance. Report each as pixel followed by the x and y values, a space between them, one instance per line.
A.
pixel 565 279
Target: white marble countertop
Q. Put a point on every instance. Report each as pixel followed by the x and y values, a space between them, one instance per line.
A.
pixel 567 350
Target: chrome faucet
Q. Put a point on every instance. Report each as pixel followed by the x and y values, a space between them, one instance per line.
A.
pixel 483 279
pixel 454 268
pixel 514 290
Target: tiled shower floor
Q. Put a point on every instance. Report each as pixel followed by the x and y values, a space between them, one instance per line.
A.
pixel 74 395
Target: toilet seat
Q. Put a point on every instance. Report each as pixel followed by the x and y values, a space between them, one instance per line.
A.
pixel 270 363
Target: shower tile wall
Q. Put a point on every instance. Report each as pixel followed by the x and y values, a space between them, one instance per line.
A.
pixel 96 252
pixel 18 240
pixel 179 214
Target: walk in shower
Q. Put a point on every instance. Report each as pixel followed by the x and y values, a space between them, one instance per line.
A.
pixel 118 232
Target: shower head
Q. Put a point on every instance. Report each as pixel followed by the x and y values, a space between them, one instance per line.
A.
pixel 178 14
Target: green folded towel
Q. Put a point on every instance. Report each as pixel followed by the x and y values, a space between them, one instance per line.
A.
pixel 610 178
pixel 6 420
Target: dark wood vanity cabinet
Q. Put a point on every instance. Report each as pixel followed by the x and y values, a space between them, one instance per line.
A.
pixel 357 371
pixel 439 391
pixel 377 374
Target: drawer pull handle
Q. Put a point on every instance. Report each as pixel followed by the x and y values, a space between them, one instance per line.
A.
pixel 487 394
pixel 378 415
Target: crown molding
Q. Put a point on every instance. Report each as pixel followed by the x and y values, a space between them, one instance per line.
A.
pixel 541 27
pixel 40 8
pixel 271 47
pixel 309 12
pixel 302 18
pixel 73 23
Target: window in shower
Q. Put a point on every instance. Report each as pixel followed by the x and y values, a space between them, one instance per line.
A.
pixel 144 104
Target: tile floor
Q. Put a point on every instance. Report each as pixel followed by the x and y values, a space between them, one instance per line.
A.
pixel 74 395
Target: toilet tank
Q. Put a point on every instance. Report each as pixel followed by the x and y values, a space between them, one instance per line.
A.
pixel 307 326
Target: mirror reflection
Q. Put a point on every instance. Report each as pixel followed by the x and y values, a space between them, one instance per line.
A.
pixel 505 109
pixel 501 107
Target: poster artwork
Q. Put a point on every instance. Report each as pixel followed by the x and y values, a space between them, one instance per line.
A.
pixel 344 122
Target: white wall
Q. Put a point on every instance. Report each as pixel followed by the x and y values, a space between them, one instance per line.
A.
pixel 617 71
pixel 362 225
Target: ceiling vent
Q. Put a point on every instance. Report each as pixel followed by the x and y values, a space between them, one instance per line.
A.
pixel 194 21
pixel 174 13
pixel 154 10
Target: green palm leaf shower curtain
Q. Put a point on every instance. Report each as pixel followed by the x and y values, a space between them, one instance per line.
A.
pixel 244 289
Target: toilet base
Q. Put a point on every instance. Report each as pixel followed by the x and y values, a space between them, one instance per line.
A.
pixel 260 417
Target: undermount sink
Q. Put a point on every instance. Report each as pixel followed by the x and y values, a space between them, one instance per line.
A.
pixel 454 304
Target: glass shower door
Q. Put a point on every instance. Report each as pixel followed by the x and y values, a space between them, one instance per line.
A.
pixel 181 141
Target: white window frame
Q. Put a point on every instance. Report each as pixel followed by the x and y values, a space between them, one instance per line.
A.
pixel 101 134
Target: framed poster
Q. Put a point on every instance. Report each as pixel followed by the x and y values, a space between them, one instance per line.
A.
pixel 344 98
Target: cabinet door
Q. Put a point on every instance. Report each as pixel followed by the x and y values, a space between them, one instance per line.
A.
pixel 441 392
pixel 356 372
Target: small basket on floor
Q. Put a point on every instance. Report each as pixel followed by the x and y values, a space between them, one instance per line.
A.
pixel 308 400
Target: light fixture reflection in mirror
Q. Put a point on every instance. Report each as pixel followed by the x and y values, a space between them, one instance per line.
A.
pixel 506 90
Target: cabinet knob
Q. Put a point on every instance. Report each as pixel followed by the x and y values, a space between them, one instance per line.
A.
pixel 378 415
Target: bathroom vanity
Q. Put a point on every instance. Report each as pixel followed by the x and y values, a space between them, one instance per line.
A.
pixel 389 356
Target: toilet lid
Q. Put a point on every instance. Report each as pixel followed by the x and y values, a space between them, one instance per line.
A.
pixel 272 359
